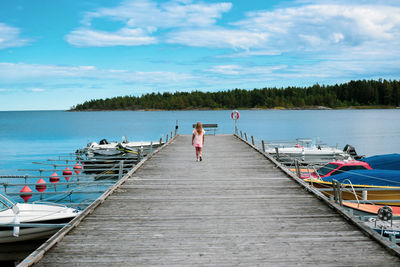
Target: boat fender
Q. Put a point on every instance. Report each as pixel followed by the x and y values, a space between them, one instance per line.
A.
pixel 16 228
pixel 15 210
pixel 385 213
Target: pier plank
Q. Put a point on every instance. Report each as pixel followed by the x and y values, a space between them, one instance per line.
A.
pixel 233 208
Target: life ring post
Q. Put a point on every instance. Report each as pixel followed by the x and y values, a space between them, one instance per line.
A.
pixel 235 116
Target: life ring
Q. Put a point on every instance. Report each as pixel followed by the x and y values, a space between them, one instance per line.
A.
pixel 235 115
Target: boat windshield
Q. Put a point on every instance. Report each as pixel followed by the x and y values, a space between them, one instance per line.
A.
pixel 5 203
pixel 326 169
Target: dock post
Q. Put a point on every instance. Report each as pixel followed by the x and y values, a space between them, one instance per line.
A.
pixel 121 169
pixel 296 164
pixel 166 139
pixel 151 147
pixel 139 155
pixel 277 153
pixel 364 195
pixel 160 140
pixel 252 140
pixel 176 127
pixel 171 134
pixel 334 187
pixel 241 134
pixel 263 145
pixel 245 135
pixel 337 192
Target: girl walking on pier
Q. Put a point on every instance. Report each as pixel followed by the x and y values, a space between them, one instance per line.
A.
pixel 198 140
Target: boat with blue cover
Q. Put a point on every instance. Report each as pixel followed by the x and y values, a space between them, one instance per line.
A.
pixel 384 162
pixel 368 178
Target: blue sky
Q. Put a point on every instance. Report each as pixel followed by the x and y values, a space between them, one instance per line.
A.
pixel 58 53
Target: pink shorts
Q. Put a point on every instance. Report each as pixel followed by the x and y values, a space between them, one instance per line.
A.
pixel 197 145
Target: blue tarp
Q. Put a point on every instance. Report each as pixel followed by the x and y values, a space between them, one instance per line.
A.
pixel 368 177
pixel 385 162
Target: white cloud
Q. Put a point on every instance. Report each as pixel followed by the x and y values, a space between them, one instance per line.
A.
pixel 218 38
pixel 14 72
pixel 123 37
pixel 20 71
pixel 249 53
pixel 144 13
pixel 36 89
pixel 10 37
pixel 225 69
pixel 142 19
pixel 306 26
pixel 245 70
pixel 321 27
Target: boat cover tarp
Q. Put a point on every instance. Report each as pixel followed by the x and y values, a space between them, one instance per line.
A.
pixel 385 162
pixel 368 177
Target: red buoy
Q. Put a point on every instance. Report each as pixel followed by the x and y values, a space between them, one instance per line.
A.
pixel 77 168
pixel 54 178
pixel 25 189
pixel 41 185
pixel 67 174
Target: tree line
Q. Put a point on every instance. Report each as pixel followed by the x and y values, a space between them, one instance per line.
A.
pixel 354 93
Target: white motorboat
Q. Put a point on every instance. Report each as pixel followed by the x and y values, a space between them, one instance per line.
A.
pixel 22 222
pixel 303 150
pixel 106 148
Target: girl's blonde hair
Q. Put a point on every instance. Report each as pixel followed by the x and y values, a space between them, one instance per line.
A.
pixel 199 127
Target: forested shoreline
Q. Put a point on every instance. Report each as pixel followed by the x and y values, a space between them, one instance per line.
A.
pixel 361 93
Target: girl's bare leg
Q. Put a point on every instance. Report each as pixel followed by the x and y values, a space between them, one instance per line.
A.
pixel 197 152
pixel 200 152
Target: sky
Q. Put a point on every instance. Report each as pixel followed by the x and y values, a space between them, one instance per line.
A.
pixel 55 54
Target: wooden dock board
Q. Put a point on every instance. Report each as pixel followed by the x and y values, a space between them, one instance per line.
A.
pixel 234 208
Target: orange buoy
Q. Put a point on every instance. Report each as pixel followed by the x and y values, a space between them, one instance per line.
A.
pixel 54 178
pixel 67 174
pixel 25 189
pixel 77 168
pixel 41 185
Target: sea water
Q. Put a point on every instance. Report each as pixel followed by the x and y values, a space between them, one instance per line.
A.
pixel 36 136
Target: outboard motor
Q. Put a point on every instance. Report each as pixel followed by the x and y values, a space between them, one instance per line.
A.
pixel 349 149
pixel 103 142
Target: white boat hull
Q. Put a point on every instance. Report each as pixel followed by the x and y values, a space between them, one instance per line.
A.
pixel 309 154
pixel 32 214
pixel 25 234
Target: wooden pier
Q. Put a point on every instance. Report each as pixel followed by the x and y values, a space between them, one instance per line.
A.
pixel 233 208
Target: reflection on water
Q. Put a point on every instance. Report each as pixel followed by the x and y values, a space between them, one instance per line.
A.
pixel 11 253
